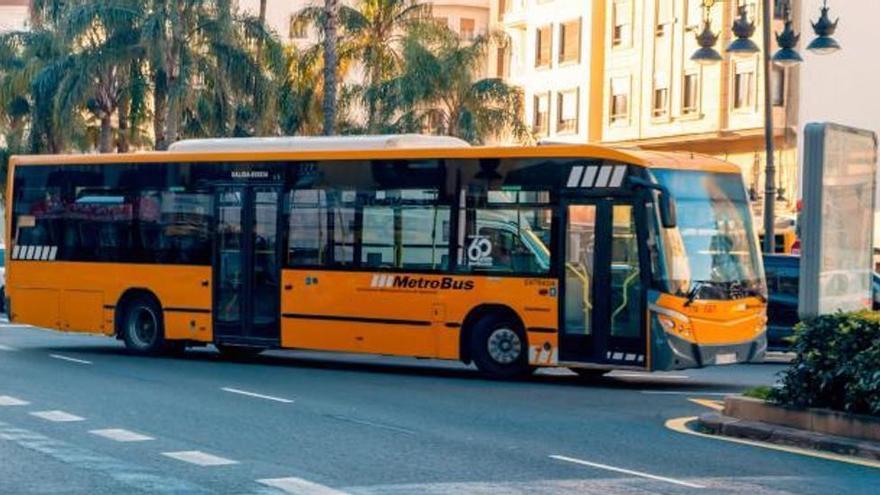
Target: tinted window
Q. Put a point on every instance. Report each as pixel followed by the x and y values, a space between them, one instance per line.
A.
pixel 147 213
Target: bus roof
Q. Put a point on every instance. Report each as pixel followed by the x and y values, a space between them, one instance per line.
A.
pixel 380 147
pixel 320 143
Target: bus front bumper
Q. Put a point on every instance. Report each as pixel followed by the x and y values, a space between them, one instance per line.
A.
pixel 690 355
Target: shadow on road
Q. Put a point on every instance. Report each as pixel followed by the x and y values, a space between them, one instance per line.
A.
pixel 415 368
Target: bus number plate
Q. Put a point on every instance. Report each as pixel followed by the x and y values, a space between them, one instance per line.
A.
pixel 727 358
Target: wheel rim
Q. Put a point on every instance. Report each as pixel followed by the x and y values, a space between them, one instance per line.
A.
pixel 504 346
pixel 143 327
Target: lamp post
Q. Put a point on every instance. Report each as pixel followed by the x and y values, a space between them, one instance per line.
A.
pixel 786 56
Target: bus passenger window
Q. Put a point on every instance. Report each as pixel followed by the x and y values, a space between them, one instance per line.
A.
pixel 509 241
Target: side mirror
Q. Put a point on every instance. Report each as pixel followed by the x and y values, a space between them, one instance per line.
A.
pixel 668 211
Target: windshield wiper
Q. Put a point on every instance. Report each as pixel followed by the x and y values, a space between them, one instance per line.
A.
pixel 695 289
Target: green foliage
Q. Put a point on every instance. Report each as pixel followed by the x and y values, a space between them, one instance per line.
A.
pixel 763 392
pixel 837 364
pixel 120 75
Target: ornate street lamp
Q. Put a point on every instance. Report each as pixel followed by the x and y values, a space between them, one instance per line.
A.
pixel 824 44
pixel 787 40
pixel 743 29
pixel 707 54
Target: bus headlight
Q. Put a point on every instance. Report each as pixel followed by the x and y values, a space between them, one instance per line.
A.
pixel 676 324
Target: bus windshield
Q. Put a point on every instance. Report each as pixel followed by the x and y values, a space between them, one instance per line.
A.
pixel 713 254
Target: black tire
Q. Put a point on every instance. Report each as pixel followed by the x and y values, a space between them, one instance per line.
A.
pixel 499 347
pixel 587 374
pixel 143 326
pixel 238 352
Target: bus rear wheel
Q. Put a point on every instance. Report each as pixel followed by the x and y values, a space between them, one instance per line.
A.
pixel 499 347
pixel 143 327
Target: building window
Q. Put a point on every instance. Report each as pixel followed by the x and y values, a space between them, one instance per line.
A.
pixel 660 102
pixel 621 19
pixel 543 46
pixel 664 17
pixel 779 9
pixel 503 8
pixel 570 41
pixel 298 29
pixel 778 87
pixel 619 111
pixel 502 62
pixel 744 88
pixel 467 29
pixel 567 111
pixel 690 99
pixel 541 121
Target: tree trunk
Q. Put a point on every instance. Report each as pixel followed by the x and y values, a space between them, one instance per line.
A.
pixel 331 11
pixel 105 144
pixel 372 99
pixel 160 109
pixel 122 111
pixel 263 25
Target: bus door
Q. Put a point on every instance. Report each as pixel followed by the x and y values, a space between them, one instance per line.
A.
pixel 247 261
pixel 603 285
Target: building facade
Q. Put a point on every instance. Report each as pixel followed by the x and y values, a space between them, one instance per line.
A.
pixel 468 18
pixel 14 15
pixel 656 97
pixel 553 51
pixel 634 84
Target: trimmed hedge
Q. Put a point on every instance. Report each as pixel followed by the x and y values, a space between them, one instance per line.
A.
pixel 837 364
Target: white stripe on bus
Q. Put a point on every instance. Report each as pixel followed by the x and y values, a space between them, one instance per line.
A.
pixel 15 251
pixel 38 252
pixel 46 252
pixel 52 252
pixel 604 175
pixel 617 178
pixel 30 253
pixel 574 178
pixel 589 176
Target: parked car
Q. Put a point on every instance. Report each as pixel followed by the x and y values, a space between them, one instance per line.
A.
pixel 783 279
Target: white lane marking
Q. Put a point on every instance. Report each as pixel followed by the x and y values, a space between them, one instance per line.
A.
pixel 299 486
pixel 120 435
pixel 648 375
pixel 693 392
pixel 256 395
pixel 199 458
pixel 625 471
pixel 57 416
pixel 6 400
pixel 7 348
pixel 69 359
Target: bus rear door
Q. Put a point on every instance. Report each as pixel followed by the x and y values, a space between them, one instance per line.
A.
pixel 247 261
pixel 603 285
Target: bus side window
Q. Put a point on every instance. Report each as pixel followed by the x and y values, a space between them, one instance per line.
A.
pixel 509 241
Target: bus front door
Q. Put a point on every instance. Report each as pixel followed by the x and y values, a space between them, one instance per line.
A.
pixel 602 318
pixel 247 265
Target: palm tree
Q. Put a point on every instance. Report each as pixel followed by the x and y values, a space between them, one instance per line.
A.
pixel 440 91
pixel 377 29
pixel 105 49
pixel 329 29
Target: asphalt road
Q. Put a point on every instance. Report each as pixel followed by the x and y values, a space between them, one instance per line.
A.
pixel 79 415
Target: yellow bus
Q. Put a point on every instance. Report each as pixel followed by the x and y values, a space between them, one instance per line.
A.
pixel 511 258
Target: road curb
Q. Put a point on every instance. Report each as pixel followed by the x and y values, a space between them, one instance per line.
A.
pixel 719 424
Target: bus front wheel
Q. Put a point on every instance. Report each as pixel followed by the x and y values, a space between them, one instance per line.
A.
pixel 143 328
pixel 499 347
